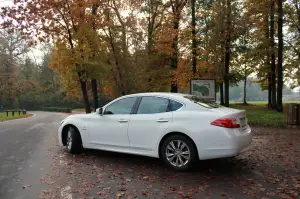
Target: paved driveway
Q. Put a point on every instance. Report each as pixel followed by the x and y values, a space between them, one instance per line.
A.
pixel 34 166
pixel 26 154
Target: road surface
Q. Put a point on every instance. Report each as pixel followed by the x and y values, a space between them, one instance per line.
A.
pixel 32 165
pixel 26 153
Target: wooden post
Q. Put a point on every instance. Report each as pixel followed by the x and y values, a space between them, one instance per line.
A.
pixel 292 114
pixel 13 113
pixel 298 114
pixel 6 113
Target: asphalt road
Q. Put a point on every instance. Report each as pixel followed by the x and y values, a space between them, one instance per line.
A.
pixel 26 153
pixel 32 165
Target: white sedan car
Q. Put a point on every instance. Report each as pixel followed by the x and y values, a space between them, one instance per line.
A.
pixel 178 128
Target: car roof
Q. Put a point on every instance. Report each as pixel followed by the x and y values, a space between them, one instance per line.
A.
pixel 178 96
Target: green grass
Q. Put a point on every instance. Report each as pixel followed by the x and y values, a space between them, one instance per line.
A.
pixel 3 116
pixel 79 110
pixel 259 114
pixel 265 102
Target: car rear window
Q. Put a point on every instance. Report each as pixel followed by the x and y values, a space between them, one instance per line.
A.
pixel 202 102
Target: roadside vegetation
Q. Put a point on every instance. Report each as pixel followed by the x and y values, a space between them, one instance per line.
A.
pixel 4 117
pixel 258 113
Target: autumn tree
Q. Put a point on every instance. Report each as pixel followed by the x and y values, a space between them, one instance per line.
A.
pixel 12 47
pixel 244 62
pixel 292 41
pixel 258 19
pixel 58 21
pixel 177 7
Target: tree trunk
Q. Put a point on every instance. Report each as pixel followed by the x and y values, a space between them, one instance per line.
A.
pixel 150 28
pixel 174 58
pixel 150 38
pixel 94 81
pixel 245 91
pixel 125 53
pixel 267 60
pixel 150 43
pixel 120 83
pixel 95 93
pixel 273 66
pixel 194 47
pixel 269 90
pixel 227 51
pixel 222 94
pixel 84 94
pixel 280 49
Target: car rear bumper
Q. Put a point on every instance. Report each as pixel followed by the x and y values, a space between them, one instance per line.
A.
pixel 237 143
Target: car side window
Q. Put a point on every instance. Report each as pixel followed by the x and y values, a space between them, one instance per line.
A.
pixel 122 106
pixel 151 105
pixel 174 106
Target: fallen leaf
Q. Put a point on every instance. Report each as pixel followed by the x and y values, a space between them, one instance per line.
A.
pixel 127 179
pixel 223 194
pixel 25 186
pixel 119 195
pixel 145 192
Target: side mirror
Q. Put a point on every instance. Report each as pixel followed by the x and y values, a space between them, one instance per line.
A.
pixel 99 111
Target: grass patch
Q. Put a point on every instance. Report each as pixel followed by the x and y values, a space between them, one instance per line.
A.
pixel 259 114
pixel 79 110
pixel 3 116
pixel 265 102
pixel 57 109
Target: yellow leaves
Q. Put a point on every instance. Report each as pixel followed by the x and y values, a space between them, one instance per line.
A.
pixel 84 57
pixel 184 73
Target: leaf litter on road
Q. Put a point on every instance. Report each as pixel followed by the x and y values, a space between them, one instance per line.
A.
pixel 270 168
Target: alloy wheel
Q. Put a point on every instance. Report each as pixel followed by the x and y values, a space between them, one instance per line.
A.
pixel 69 140
pixel 178 153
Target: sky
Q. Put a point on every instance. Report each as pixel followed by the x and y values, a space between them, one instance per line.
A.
pixel 5 3
pixel 34 54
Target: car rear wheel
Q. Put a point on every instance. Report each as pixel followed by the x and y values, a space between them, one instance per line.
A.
pixel 74 142
pixel 178 152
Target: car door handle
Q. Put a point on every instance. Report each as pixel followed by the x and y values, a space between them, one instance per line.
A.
pixel 123 120
pixel 162 120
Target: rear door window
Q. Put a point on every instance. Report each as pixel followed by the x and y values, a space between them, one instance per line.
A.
pixel 152 105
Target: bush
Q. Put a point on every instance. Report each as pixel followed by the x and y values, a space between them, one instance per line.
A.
pixel 57 109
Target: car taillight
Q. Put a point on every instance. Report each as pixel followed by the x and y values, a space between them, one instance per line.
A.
pixel 226 123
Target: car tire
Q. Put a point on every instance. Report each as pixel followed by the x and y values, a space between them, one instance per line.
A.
pixel 188 154
pixel 74 142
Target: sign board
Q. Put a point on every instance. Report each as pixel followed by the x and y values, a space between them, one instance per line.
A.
pixel 203 88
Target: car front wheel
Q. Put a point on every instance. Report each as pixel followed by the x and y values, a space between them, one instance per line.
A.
pixel 178 152
pixel 74 142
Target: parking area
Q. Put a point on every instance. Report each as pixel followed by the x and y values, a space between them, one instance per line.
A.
pixel 269 169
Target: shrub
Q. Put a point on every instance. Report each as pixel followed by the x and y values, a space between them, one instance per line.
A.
pixel 57 109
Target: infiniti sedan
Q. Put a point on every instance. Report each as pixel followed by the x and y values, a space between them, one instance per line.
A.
pixel 178 128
